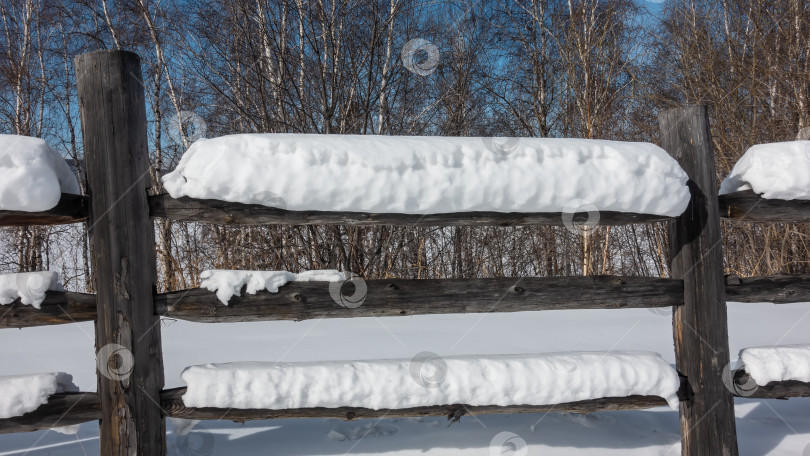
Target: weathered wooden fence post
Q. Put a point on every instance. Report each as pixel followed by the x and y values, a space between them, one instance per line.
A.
pixel 128 349
pixel 701 324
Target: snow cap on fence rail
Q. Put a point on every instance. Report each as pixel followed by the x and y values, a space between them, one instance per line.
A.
pixel 30 287
pixel 34 175
pixel 25 393
pixel 777 363
pixel 429 379
pixel 775 171
pixel 430 175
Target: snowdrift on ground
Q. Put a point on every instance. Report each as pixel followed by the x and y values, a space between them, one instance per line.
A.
pixel 430 175
pixel 774 171
pixel 431 380
pixel 21 394
pixel 34 174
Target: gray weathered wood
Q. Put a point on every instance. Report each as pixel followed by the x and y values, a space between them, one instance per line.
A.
pixel 398 297
pixel 775 390
pixel 69 209
pixel 172 402
pixel 225 213
pixel 57 308
pixel 747 206
pixel 700 325
pixel 780 289
pixel 62 409
pixel 113 112
pixel 74 408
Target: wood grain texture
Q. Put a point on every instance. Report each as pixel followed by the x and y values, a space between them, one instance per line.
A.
pixel 57 308
pixel 62 409
pixel 225 213
pixel 172 402
pixel 746 387
pixel 700 325
pixel 401 297
pixel 779 289
pixel 69 209
pixel 113 113
pixel 74 408
pixel 747 206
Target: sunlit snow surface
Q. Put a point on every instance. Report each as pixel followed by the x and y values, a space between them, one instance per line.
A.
pixel 430 175
pixel 34 174
pixel 774 171
pixel 777 363
pixel 402 383
pixel 30 287
pixel 20 394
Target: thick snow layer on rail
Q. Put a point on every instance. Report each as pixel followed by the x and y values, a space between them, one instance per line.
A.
pixel 34 174
pixel 24 393
pixel 775 171
pixel 431 380
pixel 777 364
pixel 430 175
pixel 226 283
pixel 30 287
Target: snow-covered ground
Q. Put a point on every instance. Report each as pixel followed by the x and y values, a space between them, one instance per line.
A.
pixel 769 427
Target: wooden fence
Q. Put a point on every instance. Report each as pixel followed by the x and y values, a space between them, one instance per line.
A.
pixel 131 410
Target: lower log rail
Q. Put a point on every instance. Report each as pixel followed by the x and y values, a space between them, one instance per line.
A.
pixel 70 209
pixel 747 206
pixel 62 409
pixel 746 387
pixel 172 403
pixel 401 297
pixel 57 308
pixel 74 408
pixel 227 213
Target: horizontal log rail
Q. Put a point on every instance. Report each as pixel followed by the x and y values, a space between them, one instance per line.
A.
pixel 58 307
pixel 401 297
pixel 63 409
pixel 69 209
pixel 172 403
pixel 74 408
pixel 747 206
pixel 778 289
pixel 742 206
pixel 746 387
pixel 226 213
